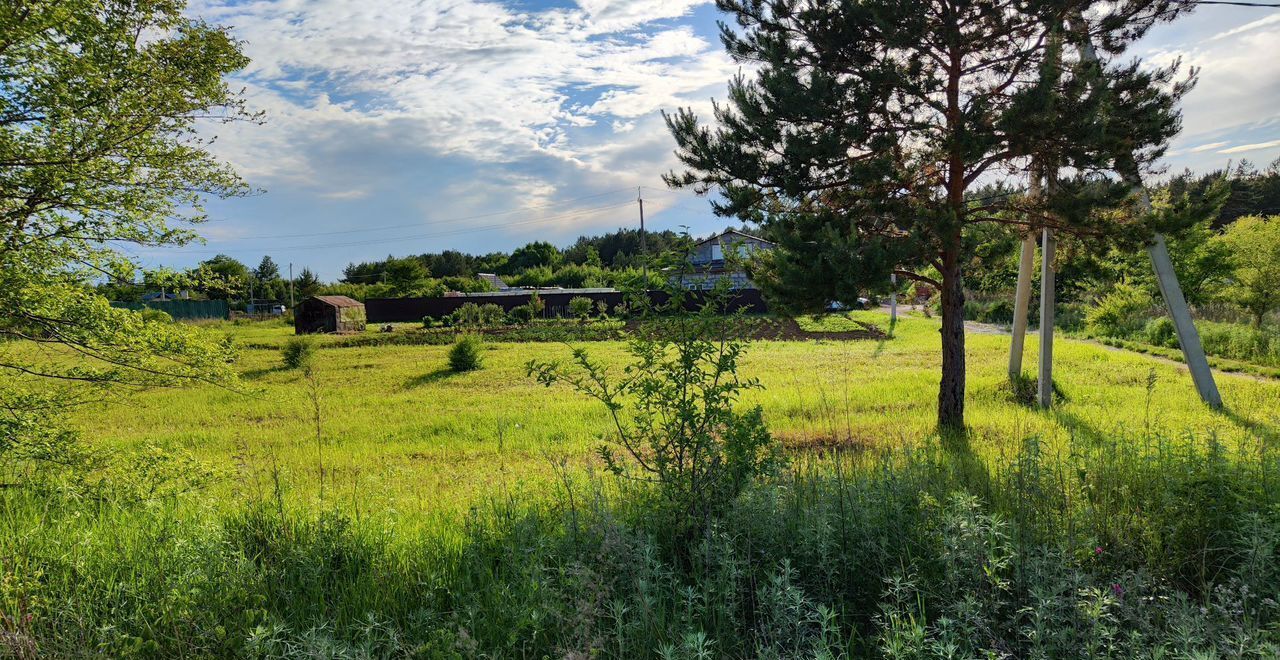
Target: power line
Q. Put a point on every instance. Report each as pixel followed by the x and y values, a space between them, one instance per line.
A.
pixel 1272 5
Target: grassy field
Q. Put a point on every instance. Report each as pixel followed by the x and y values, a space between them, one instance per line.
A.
pixel 431 517
pixel 400 434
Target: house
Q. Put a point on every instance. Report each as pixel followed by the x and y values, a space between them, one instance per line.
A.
pixel 165 296
pixel 337 314
pixel 494 280
pixel 721 257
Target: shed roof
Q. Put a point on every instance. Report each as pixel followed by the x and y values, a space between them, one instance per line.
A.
pixel 339 301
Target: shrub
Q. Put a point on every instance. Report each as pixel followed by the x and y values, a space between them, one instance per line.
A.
pixel 1000 311
pixel 1240 342
pixel 156 315
pixel 471 315
pixel 1121 313
pixel 466 353
pixel 298 352
pixel 1160 331
pixel 530 310
pixel 676 419
pixel 580 307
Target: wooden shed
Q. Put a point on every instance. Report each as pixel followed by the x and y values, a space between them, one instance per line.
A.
pixel 338 314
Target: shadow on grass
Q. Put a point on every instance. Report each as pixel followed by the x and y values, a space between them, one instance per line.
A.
pixel 254 374
pixel 968 467
pixel 893 324
pixel 443 373
pixel 1260 430
pixel 1081 429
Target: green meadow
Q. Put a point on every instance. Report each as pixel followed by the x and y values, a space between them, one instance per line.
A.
pixel 386 507
pixel 399 433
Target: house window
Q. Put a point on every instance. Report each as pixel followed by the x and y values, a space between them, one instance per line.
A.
pixel 717 252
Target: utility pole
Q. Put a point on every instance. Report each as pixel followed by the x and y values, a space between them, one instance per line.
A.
pixel 1022 297
pixel 1044 390
pixel 291 286
pixel 893 301
pixel 644 252
pixel 1170 289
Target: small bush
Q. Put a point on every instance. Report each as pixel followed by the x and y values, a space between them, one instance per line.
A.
pixel 155 316
pixel 1241 342
pixel 298 352
pixel 1160 331
pixel 471 315
pixel 466 353
pixel 529 311
pixel 999 311
pixel 580 307
pixel 1121 313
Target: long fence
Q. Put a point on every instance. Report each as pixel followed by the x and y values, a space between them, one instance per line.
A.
pixel 185 310
pixel 400 310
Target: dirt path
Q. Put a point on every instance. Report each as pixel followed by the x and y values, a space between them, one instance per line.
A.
pixel 996 329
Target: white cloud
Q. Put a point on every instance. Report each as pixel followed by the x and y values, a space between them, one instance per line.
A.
pixel 344 195
pixel 1239 78
pixel 461 78
pixel 1257 146
pixel 1207 147
pixel 1261 22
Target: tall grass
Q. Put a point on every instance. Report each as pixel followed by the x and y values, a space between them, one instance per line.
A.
pixel 1127 547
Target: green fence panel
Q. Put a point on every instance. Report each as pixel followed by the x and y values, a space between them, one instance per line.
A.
pixel 183 310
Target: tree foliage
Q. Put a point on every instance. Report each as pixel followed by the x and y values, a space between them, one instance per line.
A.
pixel 1254 244
pixel 100 106
pixel 866 126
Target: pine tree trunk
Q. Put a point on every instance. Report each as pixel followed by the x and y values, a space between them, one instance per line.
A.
pixel 951 389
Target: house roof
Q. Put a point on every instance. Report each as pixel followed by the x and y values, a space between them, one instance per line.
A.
pixel 339 301
pixel 734 232
pixel 493 279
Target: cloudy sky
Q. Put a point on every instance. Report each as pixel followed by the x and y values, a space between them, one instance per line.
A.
pixel 410 126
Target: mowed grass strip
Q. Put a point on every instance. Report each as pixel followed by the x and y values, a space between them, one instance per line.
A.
pixel 399 433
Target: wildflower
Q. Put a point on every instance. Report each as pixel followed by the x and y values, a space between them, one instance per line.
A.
pixel 1097 551
pixel 1117 590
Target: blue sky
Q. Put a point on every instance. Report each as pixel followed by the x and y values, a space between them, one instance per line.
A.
pixel 401 126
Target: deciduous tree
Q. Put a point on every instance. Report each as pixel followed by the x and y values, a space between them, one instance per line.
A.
pixel 101 143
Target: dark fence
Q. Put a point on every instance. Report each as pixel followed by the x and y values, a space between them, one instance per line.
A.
pixel 400 310
pixel 188 310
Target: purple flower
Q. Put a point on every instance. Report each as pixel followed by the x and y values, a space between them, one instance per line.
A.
pixel 1117 590
pixel 1097 551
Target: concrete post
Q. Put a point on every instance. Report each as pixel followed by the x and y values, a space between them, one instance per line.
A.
pixel 1022 295
pixel 1044 390
pixel 1170 290
pixel 893 300
pixel 1021 304
pixel 1188 336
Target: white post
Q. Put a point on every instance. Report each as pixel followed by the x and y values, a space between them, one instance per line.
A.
pixel 1170 290
pixel 893 300
pixel 1022 295
pixel 1044 388
pixel 1021 303
pixel 1188 336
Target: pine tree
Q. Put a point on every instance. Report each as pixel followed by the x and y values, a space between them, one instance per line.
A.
pixel 867 126
pixel 306 284
pixel 267 271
